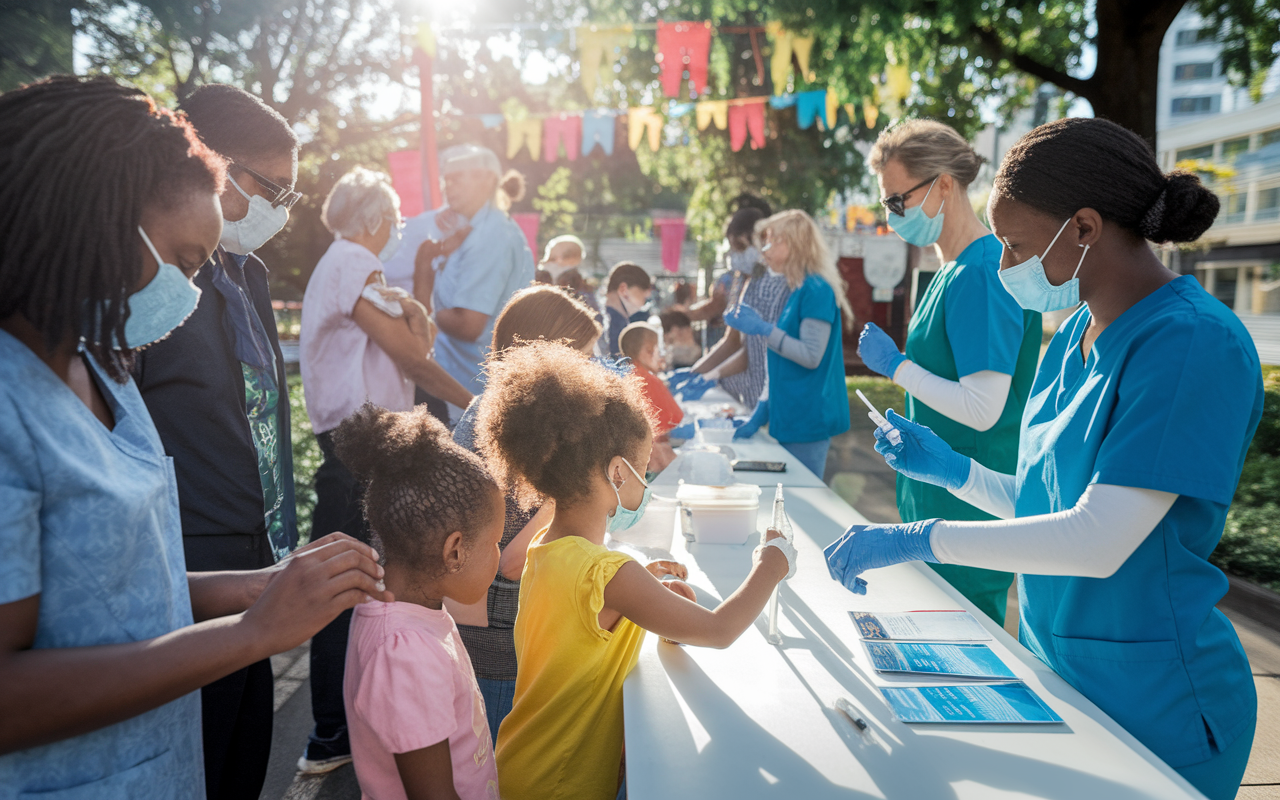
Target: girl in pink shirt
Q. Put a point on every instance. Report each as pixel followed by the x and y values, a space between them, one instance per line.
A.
pixel 414 711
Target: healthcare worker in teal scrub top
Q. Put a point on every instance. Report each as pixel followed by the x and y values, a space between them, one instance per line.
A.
pixel 1132 444
pixel 971 349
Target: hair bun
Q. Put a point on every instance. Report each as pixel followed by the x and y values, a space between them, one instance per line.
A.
pixel 1182 212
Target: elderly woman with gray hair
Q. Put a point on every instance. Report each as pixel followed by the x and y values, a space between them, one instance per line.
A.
pixel 361 341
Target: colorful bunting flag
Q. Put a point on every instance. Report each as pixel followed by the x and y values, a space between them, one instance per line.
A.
pixel 713 110
pixel 640 121
pixel 524 133
pixel 746 118
pixel 786 44
pixel 683 46
pixel 566 128
pixel 596 45
pixel 598 128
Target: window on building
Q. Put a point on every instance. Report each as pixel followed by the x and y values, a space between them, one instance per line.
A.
pixel 1233 206
pixel 1194 153
pixel 1234 147
pixel 1192 105
pixel 1269 137
pixel 1268 205
pixel 1199 36
pixel 1192 72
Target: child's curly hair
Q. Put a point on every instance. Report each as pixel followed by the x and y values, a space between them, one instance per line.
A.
pixel 419 485
pixel 550 419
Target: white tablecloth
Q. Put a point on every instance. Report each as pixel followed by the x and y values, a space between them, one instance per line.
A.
pixel 756 721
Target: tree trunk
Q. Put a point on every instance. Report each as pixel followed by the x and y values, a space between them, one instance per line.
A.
pixel 1124 84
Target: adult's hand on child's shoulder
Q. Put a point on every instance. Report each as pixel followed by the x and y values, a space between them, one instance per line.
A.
pixel 315 585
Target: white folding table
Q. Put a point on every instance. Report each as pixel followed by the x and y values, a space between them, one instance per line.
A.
pixel 756 721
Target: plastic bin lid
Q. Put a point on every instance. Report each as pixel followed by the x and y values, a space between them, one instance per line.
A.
pixel 735 495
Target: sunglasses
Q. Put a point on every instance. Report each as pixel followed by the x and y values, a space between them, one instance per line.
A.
pixel 897 203
pixel 281 196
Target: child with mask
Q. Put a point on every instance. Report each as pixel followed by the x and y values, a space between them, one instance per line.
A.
pixel 584 609
pixel 414 711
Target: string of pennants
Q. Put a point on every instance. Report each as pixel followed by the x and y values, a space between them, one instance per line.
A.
pixel 683 52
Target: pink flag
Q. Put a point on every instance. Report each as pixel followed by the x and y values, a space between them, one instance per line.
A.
pixel 672 229
pixel 528 222
pixel 406 178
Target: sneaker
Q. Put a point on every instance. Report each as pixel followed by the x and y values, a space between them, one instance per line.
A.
pixel 319 766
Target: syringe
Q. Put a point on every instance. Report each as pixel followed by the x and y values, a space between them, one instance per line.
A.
pixel 783 526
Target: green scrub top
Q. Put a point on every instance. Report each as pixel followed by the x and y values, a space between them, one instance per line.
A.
pixel 967 322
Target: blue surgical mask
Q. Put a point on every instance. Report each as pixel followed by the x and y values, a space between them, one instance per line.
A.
pixel 162 305
pixel 914 227
pixel 393 244
pixel 1031 288
pixel 624 517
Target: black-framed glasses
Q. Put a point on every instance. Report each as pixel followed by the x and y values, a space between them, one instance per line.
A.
pixel 897 203
pixel 282 196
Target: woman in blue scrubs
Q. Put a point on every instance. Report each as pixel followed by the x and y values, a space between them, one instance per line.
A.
pixel 1132 444
pixel 109 207
pixel 971 350
pixel 807 402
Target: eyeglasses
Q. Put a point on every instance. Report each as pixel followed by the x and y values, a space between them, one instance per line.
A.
pixel 283 197
pixel 897 203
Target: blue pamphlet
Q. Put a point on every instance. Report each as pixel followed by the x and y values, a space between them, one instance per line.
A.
pixel 991 702
pixel 920 626
pixel 960 660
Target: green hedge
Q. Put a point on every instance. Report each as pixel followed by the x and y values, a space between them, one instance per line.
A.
pixel 1250 546
pixel 306 458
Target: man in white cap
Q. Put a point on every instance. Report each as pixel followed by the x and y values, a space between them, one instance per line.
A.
pixel 471 257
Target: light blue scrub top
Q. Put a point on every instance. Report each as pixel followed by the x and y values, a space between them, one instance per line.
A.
pixel 493 263
pixel 1169 399
pixel 91 524
pixel 809 405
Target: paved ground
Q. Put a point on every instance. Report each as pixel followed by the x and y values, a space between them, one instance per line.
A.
pixel 859 475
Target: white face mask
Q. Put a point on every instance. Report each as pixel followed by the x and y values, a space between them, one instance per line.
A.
pixel 392 245
pixel 263 221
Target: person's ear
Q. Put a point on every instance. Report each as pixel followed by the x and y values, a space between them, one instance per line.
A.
pixel 616 476
pixel 453 553
pixel 946 184
pixel 1088 225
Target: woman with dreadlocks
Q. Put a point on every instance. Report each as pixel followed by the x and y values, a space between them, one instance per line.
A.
pixel 108 205
pixel 1131 446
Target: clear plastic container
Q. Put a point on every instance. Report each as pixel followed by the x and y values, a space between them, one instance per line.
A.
pixel 716 430
pixel 721 514
pixel 656 528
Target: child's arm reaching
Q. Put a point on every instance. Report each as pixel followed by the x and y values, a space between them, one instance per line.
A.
pixel 427 774
pixel 640 597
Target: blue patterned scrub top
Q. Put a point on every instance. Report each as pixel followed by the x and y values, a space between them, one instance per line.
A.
pixel 91 524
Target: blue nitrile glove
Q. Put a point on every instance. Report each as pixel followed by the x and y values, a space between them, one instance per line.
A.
pixel 865 547
pixel 878 351
pixel 679 378
pixel 759 417
pixel 923 454
pixel 694 388
pixel 685 431
pixel 746 319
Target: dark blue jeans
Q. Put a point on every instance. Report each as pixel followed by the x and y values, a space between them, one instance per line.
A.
pixel 498 697
pixel 338 498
